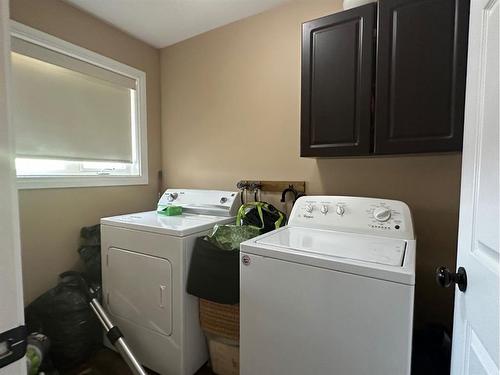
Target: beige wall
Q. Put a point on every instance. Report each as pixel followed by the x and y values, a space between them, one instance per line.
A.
pixel 51 218
pixel 230 111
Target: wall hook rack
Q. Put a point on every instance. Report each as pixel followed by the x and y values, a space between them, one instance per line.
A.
pixel 254 186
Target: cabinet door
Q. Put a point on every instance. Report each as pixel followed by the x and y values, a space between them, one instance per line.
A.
pixel 421 67
pixel 337 58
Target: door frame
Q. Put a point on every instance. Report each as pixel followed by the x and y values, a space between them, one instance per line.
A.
pixel 11 286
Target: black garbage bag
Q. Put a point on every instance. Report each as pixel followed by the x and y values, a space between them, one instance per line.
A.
pixel 90 252
pixel 64 315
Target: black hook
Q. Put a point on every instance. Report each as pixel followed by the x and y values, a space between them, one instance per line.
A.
pixel 242 185
pixel 289 189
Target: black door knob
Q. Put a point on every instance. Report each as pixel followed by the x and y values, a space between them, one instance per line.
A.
pixel 445 278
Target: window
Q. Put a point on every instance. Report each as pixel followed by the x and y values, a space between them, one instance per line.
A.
pixel 79 117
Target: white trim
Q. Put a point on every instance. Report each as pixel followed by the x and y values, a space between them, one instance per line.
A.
pixel 78 181
pixel 11 284
pixel 38 37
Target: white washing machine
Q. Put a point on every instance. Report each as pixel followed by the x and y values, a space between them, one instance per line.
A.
pixel 145 260
pixel 332 292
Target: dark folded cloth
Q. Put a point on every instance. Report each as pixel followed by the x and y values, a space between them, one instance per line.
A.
pixel 214 273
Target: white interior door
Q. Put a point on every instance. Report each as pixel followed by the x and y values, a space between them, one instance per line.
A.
pixel 476 321
pixel 11 304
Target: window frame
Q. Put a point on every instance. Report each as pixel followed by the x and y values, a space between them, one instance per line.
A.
pixel 45 40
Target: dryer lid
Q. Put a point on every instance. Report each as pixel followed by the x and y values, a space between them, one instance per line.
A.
pixel 372 249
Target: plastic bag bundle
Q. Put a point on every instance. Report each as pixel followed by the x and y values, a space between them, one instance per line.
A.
pixel 229 237
pixel 90 252
pixel 64 315
pixel 214 268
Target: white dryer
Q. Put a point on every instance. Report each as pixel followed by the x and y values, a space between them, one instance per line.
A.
pixel 145 260
pixel 332 292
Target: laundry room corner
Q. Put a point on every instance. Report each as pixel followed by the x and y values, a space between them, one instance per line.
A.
pixel 231 99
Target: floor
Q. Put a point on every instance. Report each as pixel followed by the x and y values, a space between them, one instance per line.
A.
pixel 108 362
pixel 103 362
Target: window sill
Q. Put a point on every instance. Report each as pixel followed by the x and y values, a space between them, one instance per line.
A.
pixel 24 183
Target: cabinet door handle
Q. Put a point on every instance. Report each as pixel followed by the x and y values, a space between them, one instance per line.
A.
pixel 163 290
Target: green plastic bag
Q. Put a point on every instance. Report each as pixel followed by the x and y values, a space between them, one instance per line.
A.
pixel 262 215
pixel 229 237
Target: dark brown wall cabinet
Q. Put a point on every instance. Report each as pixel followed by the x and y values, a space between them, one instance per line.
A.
pixel 337 69
pixel 398 87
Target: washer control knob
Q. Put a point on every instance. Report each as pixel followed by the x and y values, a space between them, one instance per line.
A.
pixel 382 214
pixel 340 210
pixel 309 207
pixel 324 209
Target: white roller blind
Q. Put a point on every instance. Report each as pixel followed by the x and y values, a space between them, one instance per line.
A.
pixel 64 108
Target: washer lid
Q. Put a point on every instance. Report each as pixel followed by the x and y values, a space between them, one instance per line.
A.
pixel 182 225
pixel 380 250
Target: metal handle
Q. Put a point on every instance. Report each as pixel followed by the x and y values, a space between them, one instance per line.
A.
pixel 445 278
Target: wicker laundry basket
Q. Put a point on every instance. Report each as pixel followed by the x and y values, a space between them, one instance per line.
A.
pixel 220 319
pixel 224 355
pixel 221 324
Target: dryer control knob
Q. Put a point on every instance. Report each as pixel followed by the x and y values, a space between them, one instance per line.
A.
pixel 172 197
pixel 382 214
pixel 324 209
pixel 309 208
pixel 340 210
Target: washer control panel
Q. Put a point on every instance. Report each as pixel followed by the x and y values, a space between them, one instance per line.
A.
pixel 386 217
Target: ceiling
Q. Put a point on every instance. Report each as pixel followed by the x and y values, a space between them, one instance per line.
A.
pixel 165 22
